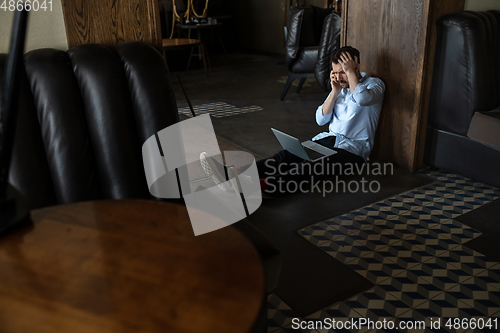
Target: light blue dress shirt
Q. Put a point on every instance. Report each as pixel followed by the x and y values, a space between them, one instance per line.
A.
pixel 355 116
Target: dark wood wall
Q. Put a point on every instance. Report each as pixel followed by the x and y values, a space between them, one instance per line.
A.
pixel 396 39
pixel 111 22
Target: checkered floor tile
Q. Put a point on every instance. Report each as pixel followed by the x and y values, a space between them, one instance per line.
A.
pixel 412 249
pixel 219 109
pixel 279 314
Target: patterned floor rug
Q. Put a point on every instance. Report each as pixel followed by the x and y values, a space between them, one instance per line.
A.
pixel 412 248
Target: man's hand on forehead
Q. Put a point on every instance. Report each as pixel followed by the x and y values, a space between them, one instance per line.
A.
pixel 347 55
pixel 348 63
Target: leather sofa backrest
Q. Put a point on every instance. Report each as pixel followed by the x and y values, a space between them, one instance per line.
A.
pixel 329 43
pixel 83 117
pixel 466 69
pixel 294 33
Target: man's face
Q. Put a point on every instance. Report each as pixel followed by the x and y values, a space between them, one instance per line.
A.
pixel 339 75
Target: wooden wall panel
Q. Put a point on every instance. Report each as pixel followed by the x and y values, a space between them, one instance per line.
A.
pixel 112 22
pixel 396 39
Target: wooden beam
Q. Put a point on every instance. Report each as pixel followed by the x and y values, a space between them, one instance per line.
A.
pixel 111 22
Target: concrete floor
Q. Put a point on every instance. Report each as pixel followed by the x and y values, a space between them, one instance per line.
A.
pixel 245 80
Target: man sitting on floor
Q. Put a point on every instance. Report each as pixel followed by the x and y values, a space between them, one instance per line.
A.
pixel 352 110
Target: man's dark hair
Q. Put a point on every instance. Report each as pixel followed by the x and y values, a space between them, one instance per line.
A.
pixel 345 49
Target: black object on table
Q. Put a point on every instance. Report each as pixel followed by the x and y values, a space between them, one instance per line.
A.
pixel 12 208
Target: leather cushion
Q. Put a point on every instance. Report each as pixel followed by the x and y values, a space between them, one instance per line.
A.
pixel 302 31
pixel 306 60
pixel 29 171
pixel 330 42
pixel 83 117
pixel 465 70
pixel 293 35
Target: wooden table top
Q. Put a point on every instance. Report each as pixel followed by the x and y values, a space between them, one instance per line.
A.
pixel 126 266
pixel 180 42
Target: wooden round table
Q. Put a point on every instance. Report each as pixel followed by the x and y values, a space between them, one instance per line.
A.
pixel 173 43
pixel 126 266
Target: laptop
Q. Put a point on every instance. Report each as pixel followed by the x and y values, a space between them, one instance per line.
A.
pixel 308 150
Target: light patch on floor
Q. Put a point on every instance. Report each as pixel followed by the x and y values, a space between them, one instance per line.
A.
pixel 219 109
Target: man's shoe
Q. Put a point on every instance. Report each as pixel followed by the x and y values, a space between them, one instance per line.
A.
pixel 214 170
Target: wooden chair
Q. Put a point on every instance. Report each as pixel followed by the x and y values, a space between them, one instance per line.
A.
pixel 187 43
pixel 171 11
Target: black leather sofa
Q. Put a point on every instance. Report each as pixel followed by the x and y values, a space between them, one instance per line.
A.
pixel 464 112
pixel 83 117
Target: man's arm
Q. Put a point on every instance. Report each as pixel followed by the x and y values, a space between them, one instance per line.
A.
pixel 369 94
pixel 324 117
pixel 363 95
pixel 330 101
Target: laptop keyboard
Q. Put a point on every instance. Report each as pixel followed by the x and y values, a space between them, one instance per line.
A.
pixel 313 154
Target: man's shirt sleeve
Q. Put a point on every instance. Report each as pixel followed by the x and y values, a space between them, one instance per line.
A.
pixel 323 119
pixel 370 93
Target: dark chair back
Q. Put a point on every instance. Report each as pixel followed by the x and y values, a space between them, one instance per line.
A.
pixel 313 34
pixel 304 29
pixel 329 43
